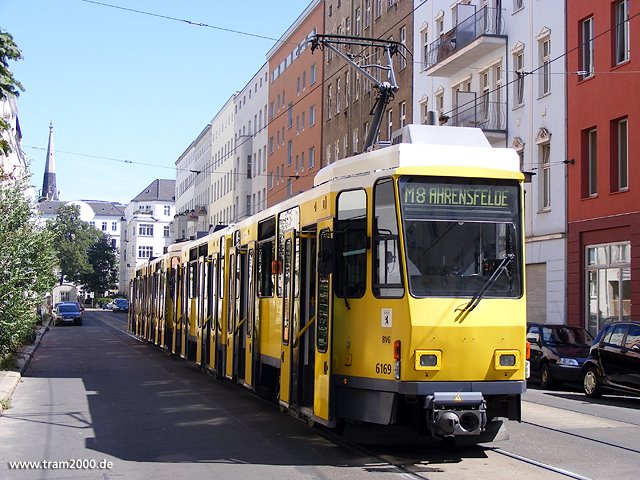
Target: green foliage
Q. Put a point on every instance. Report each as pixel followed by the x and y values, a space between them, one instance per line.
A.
pixel 27 263
pixel 102 258
pixel 8 51
pixel 8 84
pixel 72 238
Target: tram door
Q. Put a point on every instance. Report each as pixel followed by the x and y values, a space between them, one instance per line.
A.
pixel 175 305
pixel 251 312
pixel 240 314
pixel 290 315
pixel 208 341
pixel 201 310
pixel 324 323
pixel 232 313
pixel 222 313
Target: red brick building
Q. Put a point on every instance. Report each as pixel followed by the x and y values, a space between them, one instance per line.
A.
pixel 603 101
pixel 295 108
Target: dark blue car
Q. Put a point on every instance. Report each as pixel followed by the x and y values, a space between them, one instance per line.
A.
pixel 67 313
pixel 121 305
pixel 557 352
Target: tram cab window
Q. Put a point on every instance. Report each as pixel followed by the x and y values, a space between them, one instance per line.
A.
pixel 351 244
pixel 387 277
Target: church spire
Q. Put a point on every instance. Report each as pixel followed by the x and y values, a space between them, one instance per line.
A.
pixel 49 189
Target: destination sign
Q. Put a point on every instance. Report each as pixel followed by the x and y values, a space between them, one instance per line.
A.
pixel 457 195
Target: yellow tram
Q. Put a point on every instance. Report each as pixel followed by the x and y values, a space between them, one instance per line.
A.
pixel 392 292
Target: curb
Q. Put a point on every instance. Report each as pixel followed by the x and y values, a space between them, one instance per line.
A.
pixel 9 379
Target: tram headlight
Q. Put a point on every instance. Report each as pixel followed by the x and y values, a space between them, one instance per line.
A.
pixel 428 360
pixel 507 359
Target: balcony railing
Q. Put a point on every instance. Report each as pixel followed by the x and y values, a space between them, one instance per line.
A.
pixel 486 21
pixel 490 116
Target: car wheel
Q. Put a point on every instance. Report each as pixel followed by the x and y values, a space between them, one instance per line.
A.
pixel 591 384
pixel 546 380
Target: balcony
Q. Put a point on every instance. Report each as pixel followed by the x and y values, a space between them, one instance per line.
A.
pixel 491 117
pixel 470 40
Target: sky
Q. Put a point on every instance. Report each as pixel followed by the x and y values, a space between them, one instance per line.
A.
pixel 128 92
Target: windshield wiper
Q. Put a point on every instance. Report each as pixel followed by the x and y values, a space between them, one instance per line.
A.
pixel 477 296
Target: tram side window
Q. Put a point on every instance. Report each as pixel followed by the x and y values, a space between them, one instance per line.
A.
pixel 266 252
pixel 387 277
pixel 193 279
pixel 351 242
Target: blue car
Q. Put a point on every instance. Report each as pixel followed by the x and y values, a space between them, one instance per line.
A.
pixel 557 352
pixel 67 313
pixel 121 305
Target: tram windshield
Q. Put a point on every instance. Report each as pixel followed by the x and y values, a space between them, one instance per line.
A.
pixel 457 232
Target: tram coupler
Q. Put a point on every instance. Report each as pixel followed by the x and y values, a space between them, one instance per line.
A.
pixel 455 413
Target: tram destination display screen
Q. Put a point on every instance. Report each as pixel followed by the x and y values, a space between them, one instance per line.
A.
pixel 428 197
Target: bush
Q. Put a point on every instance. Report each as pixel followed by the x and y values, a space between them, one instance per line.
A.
pixel 27 260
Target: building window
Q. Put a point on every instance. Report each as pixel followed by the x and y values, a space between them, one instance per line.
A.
pixel 545 187
pixel 621 16
pixel 248 205
pixel 166 231
pixel 608 284
pixel 145 252
pixel 367 13
pixel 92 224
pixel 518 61
pixel 312 74
pixel 518 5
pixel 167 210
pixel 290 115
pixel 145 230
pixel 329 100
pixel 114 226
pixel 622 154
pixel 403 114
pixel 545 66
pixel 357 25
pixel 337 96
pixel 312 157
pixel 389 123
pixel 289 152
pixel 104 226
pixel 403 53
pixel 312 115
pixel 591 139
pixel 586 51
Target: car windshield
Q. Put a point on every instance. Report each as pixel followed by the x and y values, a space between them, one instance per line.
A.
pixel 68 309
pixel 566 336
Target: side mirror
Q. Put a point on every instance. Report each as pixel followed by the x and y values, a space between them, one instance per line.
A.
pixel 533 340
pixel 326 255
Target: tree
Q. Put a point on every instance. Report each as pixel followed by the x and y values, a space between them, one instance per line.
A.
pixel 8 84
pixel 27 263
pixel 102 258
pixel 72 238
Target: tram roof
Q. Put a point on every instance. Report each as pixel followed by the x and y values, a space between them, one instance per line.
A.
pixel 425 145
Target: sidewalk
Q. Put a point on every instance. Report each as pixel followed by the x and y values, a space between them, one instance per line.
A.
pixel 9 379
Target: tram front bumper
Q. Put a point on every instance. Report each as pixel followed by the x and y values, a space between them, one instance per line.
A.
pixel 455 413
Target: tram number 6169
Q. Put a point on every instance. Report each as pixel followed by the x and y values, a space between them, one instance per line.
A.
pixel 384 368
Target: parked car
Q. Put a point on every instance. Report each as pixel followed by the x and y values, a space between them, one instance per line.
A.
pixel 121 305
pixel 108 306
pixel 557 352
pixel 613 364
pixel 67 313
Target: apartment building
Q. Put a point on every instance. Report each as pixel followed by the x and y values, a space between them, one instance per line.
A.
pixel 603 111
pixel 145 228
pixel 349 96
pixel 499 66
pixel 250 140
pixel 295 107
